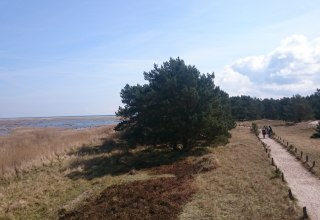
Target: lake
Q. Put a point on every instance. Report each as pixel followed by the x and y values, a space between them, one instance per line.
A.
pixel 71 122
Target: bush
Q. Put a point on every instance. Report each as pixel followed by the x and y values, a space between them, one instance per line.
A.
pixel 317 133
pixel 254 128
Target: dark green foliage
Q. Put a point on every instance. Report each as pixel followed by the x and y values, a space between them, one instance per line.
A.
pixel 296 108
pixel 314 99
pixel 300 108
pixel 317 133
pixel 254 128
pixel 245 108
pixel 178 107
pixel 285 112
pixel 270 109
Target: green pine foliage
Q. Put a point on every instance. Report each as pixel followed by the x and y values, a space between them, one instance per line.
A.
pixel 317 132
pixel 254 128
pixel 296 108
pixel 179 107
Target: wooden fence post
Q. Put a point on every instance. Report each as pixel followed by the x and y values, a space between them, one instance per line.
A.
pixel 305 214
pixel 290 194
pixel 272 162
pixel 307 158
pixel 313 164
pixel 282 177
pixel 301 154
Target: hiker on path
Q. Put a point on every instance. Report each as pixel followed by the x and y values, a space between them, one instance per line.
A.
pixel 270 131
pixel 264 132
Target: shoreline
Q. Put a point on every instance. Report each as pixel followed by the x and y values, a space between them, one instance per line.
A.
pixel 7 126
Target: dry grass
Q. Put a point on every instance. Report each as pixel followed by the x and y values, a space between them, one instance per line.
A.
pixel 243 187
pixel 29 147
pixel 42 192
pixel 46 191
pixel 159 198
pixel 240 185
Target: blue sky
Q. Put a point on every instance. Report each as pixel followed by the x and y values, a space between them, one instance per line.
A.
pixel 73 57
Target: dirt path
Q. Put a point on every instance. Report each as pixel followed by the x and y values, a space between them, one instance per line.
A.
pixel 304 185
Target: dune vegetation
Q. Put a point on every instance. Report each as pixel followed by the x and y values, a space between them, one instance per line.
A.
pixel 25 148
pixel 234 181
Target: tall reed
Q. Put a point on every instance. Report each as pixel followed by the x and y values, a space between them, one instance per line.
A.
pixel 28 147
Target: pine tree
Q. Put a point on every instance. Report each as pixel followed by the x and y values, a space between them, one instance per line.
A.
pixel 179 106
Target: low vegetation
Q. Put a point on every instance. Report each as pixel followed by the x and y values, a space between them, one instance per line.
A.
pixel 30 147
pixel 229 182
pixel 316 134
pixel 157 198
pixel 254 129
pixel 244 186
pixel 61 188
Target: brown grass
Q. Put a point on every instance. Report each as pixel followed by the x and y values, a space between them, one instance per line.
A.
pixel 62 187
pixel 160 198
pixel 44 191
pixel 244 186
pixel 28 147
pixel 238 183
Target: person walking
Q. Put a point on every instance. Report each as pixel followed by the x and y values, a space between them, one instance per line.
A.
pixel 270 131
pixel 264 132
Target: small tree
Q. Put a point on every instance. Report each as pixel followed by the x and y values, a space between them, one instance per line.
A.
pixel 254 128
pixel 179 106
pixel 317 133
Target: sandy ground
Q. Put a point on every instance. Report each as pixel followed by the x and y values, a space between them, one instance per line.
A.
pixel 314 123
pixel 304 185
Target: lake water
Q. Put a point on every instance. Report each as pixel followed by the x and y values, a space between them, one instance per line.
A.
pixel 76 122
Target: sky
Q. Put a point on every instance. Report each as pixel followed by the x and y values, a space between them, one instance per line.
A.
pixel 73 57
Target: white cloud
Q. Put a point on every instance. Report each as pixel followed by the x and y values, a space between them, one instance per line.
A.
pixel 234 82
pixel 292 68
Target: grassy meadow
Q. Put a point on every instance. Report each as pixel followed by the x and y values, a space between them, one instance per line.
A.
pixel 31 147
pixel 235 181
pixel 244 186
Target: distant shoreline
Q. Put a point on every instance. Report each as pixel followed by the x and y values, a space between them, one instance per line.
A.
pixel 70 122
pixel 53 117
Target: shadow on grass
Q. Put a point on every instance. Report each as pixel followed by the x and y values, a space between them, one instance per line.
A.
pixel 112 158
pixel 108 146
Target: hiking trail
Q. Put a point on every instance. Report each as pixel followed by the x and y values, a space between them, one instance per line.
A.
pixel 304 185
